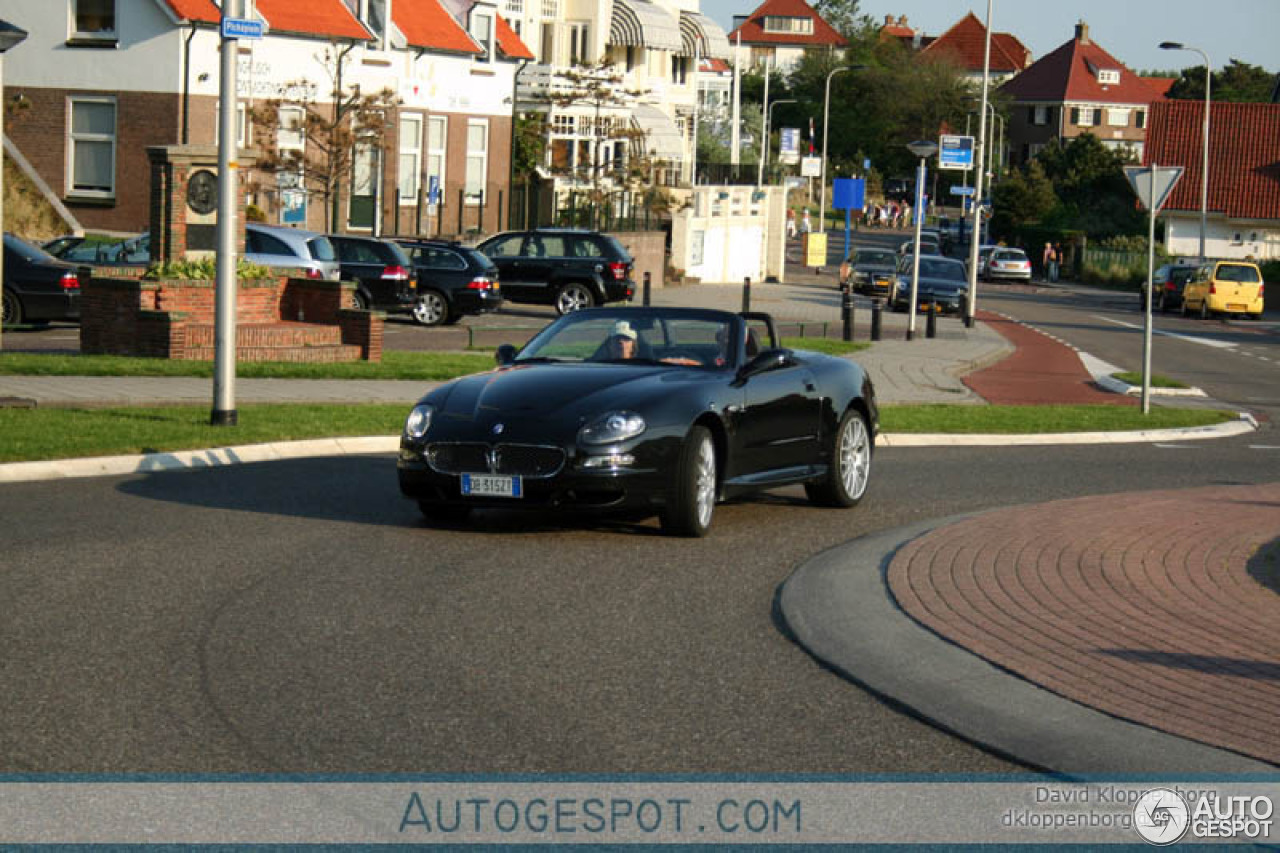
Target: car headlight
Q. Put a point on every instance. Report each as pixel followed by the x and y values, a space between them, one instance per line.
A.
pixel 419 420
pixel 614 426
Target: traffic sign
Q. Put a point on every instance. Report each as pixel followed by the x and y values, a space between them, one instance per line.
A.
pixel 848 193
pixel 955 152
pixel 242 28
pixel 1152 184
pixel 962 190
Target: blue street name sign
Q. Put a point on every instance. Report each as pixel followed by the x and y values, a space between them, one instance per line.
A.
pixel 242 28
pixel 955 152
pixel 962 190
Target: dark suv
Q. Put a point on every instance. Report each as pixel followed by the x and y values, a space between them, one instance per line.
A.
pixel 452 281
pixel 567 268
pixel 382 272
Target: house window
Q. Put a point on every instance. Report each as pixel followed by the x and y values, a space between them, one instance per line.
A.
pixel 92 148
pixel 1040 115
pixel 578 49
pixel 515 8
pixel 477 158
pixel 437 133
pixel 1117 117
pixel 1108 76
pixel 410 164
pixel 1141 121
pixel 786 24
pixel 291 135
pixel 242 125
pixel 94 19
pixel 482 32
pixel 1082 116
pixel 679 70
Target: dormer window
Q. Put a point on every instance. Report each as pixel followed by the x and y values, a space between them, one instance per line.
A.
pixel 784 24
pixel 1108 76
pixel 94 20
pixel 482 31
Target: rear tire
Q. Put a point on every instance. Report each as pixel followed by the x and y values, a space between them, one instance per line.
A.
pixel 574 296
pixel 362 302
pixel 1204 310
pixel 11 313
pixel 849 471
pixel 693 498
pixel 431 309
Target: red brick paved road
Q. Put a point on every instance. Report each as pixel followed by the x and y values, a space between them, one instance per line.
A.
pixel 1041 371
pixel 1161 608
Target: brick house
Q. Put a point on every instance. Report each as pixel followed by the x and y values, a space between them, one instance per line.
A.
pixel 1076 89
pixel 1244 177
pixel 779 32
pixel 965 45
pixel 105 79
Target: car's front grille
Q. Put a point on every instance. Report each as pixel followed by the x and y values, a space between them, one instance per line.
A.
pixel 525 460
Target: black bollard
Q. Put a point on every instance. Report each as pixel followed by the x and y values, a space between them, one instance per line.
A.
pixel 877 309
pixel 647 284
pixel 846 310
pixel 746 294
pixel 931 324
pixel 968 320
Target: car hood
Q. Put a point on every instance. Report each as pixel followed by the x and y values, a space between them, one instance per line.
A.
pixel 936 285
pixel 536 393
pixel 887 269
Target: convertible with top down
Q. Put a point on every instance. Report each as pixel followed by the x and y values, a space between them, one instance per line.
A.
pixel 665 410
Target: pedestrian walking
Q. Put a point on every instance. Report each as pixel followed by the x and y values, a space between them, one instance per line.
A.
pixel 806 225
pixel 1057 260
pixel 791 223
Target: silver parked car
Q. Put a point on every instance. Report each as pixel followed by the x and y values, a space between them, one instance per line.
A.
pixel 282 247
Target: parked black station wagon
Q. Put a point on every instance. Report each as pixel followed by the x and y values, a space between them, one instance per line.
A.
pixel 568 268
pixel 453 281
pixel 381 271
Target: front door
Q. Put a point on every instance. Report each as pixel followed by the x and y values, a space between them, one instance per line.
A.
pixel 362 214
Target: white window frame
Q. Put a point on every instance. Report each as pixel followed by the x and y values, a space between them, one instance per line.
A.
pixel 408 180
pixel 437 152
pixel 1087 117
pixel 105 36
pixel 242 123
pixel 479 156
pixel 482 17
pixel 91 138
pixel 1108 76
pixel 1118 116
pixel 579 42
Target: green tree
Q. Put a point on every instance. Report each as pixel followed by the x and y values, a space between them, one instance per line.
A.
pixel 1024 197
pixel 1238 82
pixel 1088 178
pixel 843 16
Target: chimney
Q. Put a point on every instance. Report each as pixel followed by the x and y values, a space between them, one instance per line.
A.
pixel 902 21
pixel 888 20
pixel 1082 32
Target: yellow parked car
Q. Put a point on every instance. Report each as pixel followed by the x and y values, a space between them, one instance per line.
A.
pixel 1225 287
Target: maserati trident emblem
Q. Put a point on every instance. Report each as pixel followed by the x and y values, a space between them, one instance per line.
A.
pixel 494 459
pixel 498 428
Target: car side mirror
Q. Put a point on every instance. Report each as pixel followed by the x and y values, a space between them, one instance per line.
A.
pixel 766 360
pixel 506 355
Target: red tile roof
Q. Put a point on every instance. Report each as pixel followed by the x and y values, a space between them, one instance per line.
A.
pixel 752 30
pixel 330 18
pixel 966 41
pixel 510 44
pixel 195 10
pixel 1070 73
pixel 1244 155
pixel 1160 85
pixel 425 23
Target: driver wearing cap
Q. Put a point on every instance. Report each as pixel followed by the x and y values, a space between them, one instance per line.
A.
pixel 622 340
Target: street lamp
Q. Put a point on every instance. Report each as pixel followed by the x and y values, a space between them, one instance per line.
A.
pixel 10 36
pixel 971 307
pixel 924 150
pixel 768 130
pixel 1204 167
pixel 826 121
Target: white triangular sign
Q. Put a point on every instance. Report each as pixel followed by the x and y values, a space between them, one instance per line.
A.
pixel 1152 182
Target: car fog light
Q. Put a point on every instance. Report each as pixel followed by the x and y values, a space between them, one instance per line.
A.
pixel 613 460
pixel 419 421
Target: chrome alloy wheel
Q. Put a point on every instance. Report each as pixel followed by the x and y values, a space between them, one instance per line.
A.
pixel 430 309
pixel 855 458
pixel 573 297
pixel 705 482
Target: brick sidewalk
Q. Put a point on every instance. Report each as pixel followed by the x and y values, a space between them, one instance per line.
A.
pixel 1106 601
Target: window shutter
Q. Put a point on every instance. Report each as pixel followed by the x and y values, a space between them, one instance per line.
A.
pixel 1031 115
pixel 1075 115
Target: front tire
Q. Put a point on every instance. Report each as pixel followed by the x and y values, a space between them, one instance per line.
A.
pixel 431 309
pixel 11 313
pixel 574 297
pixel 693 498
pixel 849 471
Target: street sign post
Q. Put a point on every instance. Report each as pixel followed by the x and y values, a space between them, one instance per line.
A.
pixel 1152 185
pixel 789 146
pixel 242 28
pixel 848 194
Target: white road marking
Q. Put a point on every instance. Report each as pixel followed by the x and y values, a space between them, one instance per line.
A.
pixel 1209 342
pixel 1176 446
pixel 1264 447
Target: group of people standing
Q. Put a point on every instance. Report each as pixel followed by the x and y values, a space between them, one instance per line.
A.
pixel 891 214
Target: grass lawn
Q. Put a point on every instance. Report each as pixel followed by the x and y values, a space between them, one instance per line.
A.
pixel 1157 381
pixel 33 434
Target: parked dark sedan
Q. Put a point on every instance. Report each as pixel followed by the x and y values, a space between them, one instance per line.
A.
pixel 37 286
pixel 873 271
pixel 943 283
pixel 665 410
pixel 381 271
pixel 566 267
pixel 1170 281
pixel 453 281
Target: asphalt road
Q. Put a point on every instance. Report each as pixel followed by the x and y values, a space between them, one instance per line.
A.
pixel 299 616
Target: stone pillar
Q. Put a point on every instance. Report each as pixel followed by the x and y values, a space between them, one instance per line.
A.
pixel 184 201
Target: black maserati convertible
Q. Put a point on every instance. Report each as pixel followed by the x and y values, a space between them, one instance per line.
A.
pixel 656 409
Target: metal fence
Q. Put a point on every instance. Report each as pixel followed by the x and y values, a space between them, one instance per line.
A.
pixel 538 205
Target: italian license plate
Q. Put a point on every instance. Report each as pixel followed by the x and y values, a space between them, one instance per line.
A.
pixel 490 486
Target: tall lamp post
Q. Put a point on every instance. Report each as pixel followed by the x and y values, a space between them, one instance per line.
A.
pixel 768 131
pixel 971 307
pixel 1204 165
pixel 826 122
pixel 10 36
pixel 924 150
